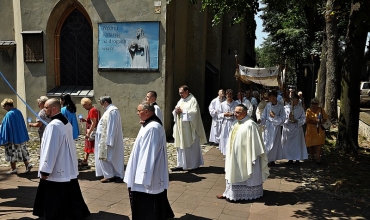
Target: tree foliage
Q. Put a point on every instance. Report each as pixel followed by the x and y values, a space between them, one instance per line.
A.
pixel 238 10
pixel 267 55
pixel 293 27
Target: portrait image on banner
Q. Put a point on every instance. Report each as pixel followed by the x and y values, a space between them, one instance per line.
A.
pixel 128 45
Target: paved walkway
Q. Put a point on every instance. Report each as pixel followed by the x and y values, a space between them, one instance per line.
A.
pixel 192 196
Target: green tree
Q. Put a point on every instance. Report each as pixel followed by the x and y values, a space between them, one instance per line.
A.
pixel 294 27
pixel 267 55
pixel 355 40
pixel 240 11
pixel 332 74
pixel 336 14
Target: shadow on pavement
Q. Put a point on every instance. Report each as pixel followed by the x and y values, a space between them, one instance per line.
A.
pixel 191 217
pixel 88 175
pixel 208 170
pixel 185 177
pixel 191 176
pixel 308 190
pixel 106 215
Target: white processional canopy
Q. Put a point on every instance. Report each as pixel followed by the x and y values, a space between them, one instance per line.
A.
pixel 264 76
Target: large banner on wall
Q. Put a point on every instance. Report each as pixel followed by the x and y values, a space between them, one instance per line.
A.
pixel 128 45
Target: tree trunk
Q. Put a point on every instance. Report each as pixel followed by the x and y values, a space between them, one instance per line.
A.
pixel 332 71
pixel 322 72
pixel 347 138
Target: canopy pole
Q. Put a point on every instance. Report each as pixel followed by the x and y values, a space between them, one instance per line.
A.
pixel 237 71
pixel 284 83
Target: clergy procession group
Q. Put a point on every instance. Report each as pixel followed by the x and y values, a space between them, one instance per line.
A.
pixel 271 129
pixel 59 195
pixel 247 132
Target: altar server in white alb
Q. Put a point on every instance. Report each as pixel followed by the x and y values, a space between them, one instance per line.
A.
pixel 272 118
pixel 246 162
pixel 188 131
pixel 245 101
pixel 109 148
pixel 58 195
pixel 151 97
pixel 293 141
pixel 147 169
pixel 226 116
pixel 214 135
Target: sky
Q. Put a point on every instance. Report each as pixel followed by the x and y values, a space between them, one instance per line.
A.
pixel 259 33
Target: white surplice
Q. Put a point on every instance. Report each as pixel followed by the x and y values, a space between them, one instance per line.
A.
pixel 114 164
pixel 226 122
pixel 58 152
pixel 293 142
pixel 214 134
pixel 260 107
pixel 246 162
pixel 272 132
pixel 188 133
pixel 247 104
pixel 158 112
pixel 147 168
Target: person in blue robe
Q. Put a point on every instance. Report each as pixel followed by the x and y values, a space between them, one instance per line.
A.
pixel 14 136
pixel 69 111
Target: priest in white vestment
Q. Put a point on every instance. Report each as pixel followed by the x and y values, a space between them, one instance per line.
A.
pixel 214 134
pixel 272 118
pixel 109 148
pixel 58 195
pixel 293 141
pixel 147 169
pixel 226 116
pixel 246 162
pixel 188 131
pixel 151 97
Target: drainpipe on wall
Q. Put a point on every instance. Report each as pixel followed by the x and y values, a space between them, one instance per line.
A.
pixel 20 87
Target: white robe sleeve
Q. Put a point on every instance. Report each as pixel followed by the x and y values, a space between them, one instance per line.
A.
pixel 50 148
pixel 264 115
pixel 158 113
pixel 212 109
pixel 278 120
pixel 112 127
pixel 301 117
pixel 249 105
pixel 145 163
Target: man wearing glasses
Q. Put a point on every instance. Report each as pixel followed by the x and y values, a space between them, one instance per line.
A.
pixel 147 169
pixel 109 148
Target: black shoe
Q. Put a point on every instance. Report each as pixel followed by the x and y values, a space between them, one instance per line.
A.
pixel 271 164
pixel 290 162
pixel 177 169
pixel 297 162
pixel 108 180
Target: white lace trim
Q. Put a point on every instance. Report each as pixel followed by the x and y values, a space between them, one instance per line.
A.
pixel 242 192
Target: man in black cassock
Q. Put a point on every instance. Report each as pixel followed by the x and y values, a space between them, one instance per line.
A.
pixel 58 195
